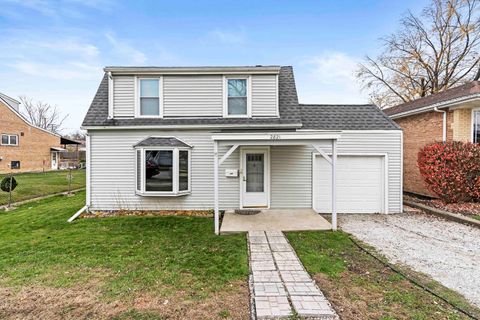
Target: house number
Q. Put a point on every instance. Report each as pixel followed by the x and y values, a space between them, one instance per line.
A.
pixel 275 137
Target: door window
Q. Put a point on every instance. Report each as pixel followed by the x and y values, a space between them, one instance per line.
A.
pixel 255 172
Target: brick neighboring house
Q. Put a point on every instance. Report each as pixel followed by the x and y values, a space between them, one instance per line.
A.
pixel 23 146
pixel 451 115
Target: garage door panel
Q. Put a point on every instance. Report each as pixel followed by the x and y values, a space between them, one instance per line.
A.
pixel 359 184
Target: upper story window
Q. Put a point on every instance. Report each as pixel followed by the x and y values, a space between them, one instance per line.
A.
pixel 476 126
pixel 9 140
pixel 149 98
pixel 237 97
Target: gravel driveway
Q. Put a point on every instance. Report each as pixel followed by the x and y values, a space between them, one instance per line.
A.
pixel 447 251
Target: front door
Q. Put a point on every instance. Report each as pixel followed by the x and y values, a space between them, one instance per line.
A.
pixel 54 160
pixel 255 186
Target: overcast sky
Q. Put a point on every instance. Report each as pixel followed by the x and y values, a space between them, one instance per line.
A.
pixel 54 51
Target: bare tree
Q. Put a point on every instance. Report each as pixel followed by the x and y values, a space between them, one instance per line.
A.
pixel 430 53
pixel 77 135
pixel 42 114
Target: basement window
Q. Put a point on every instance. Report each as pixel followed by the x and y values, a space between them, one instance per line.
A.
pixel 15 164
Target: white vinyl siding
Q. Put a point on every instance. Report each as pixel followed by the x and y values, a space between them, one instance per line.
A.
pixel 113 180
pixel 113 173
pixel 291 176
pixel 196 96
pixel 124 96
pixel 193 96
pixel 264 96
pixel 291 171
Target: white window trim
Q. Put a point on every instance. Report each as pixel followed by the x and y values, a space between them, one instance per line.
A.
pixel 175 168
pixel 472 131
pixel 9 139
pixel 249 96
pixel 137 97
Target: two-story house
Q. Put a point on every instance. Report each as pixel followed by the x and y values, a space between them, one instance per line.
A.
pixel 196 138
pixel 23 146
pixel 451 115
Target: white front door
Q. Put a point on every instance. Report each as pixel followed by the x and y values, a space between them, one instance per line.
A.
pixel 54 160
pixel 255 177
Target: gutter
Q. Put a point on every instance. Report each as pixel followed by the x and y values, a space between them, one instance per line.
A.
pixel 443 104
pixel 184 127
pixel 444 120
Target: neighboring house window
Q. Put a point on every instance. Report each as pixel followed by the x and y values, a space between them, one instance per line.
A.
pixel 9 140
pixel 149 104
pixel 163 171
pixel 237 104
pixel 476 126
pixel 15 164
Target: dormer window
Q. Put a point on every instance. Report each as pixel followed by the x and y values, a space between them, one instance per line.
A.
pixel 149 97
pixel 237 100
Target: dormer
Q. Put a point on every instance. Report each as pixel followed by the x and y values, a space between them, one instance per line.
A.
pixel 193 92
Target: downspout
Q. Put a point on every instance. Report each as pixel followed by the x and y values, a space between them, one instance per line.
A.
pixel 110 95
pixel 444 133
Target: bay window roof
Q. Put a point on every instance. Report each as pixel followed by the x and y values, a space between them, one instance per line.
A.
pixel 162 142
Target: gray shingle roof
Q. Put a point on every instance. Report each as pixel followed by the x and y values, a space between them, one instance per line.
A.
pixel 345 117
pixel 161 142
pixel 97 115
pixel 461 91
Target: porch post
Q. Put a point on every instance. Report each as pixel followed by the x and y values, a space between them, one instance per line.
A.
pixel 215 187
pixel 334 184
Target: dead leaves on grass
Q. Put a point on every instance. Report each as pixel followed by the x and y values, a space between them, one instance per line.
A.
pixel 87 303
pixel 148 213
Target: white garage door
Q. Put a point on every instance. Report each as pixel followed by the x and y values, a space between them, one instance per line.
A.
pixel 360 184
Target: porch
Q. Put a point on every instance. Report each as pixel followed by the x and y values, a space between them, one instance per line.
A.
pixel 272 173
pixel 274 219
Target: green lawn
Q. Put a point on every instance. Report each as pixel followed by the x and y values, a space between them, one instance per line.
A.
pixel 360 287
pixel 122 259
pixel 31 185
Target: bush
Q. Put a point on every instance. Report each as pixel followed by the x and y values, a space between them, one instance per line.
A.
pixel 451 170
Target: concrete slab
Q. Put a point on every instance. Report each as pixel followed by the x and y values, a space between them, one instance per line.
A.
pixel 274 220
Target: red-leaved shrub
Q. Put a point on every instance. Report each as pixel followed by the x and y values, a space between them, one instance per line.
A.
pixel 451 170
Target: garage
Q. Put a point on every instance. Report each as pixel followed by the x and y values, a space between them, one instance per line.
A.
pixel 360 184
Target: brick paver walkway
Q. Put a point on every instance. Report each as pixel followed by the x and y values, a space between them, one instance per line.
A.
pixel 280 282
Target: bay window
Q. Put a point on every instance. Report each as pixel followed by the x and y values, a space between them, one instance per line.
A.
pixel 163 171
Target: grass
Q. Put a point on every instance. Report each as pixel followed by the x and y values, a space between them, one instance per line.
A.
pixel 360 287
pixel 32 185
pixel 124 257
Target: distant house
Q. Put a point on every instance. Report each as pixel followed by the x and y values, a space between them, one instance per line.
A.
pixel 23 146
pixel 74 154
pixel 452 115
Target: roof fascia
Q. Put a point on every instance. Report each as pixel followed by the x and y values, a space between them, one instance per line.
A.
pixel 441 105
pixel 192 70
